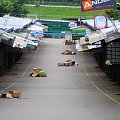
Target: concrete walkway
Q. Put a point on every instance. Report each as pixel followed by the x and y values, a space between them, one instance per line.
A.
pixel 68 93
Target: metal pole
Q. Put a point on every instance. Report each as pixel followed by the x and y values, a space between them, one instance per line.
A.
pixel 80 11
pixel 39 9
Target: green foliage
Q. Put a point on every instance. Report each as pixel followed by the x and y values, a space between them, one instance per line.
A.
pixel 18 8
pixel 37 3
pixel 112 14
pixel 13 7
pixel 117 1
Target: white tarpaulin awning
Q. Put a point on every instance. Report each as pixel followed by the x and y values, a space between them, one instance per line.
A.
pixel 94 37
pixel 83 41
pixel 108 34
pixel 91 22
pixel 35 28
pixel 90 38
pixel 93 46
pixel 9 22
pixel 9 35
pixel 20 42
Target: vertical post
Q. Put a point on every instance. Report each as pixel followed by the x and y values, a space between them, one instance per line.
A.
pixel 80 11
pixel 0 37
pixel 39 9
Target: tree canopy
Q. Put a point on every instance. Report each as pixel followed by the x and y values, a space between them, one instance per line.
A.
pixel 13 7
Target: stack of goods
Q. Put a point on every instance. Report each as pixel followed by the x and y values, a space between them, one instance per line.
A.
pixel 38 72
pixel 68 52
pixel 67 42
pixel 68 63
pixel 11 94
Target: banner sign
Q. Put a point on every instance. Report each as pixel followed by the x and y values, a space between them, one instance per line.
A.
pixel 100 22
pixel 92 5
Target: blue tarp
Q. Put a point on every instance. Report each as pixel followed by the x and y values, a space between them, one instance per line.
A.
pixel 37 34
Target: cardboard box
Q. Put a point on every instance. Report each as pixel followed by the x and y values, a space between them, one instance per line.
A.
pixel 6 95
pixel 73 53
pixel 3 95
pixel 15 94
pixel 34 74
pixel 65 52
pixel 36 70
pixel 66 42
pixel 67 63
pixel 69 42
pixel 61 64
pixel 72 63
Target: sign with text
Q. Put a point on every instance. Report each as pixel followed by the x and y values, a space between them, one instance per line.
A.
pixel 92 5
pixel 100 22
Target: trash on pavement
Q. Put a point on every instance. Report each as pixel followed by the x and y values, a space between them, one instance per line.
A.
pixel 67 42
pixel 11 94
pixel 68 52
pixel 38 72
pixel 68 63
pixel 15 94
pixel 5 95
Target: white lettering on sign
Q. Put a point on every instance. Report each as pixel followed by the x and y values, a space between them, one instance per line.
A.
pixel 99 2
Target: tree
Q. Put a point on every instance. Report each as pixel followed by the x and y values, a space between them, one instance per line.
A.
pixel 112 14
pixel 13 7
pixel 18 8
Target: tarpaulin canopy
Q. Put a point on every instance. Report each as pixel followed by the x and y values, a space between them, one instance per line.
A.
pixel 9 35
pixel 91 38
pixel 14 23
pixel 110 24
pixel 94 37
pixel 35 28
pixel 83 41
pixel 20 42
pixel 28 38
pixel 36 31
pixel 6 40
pixel 107 34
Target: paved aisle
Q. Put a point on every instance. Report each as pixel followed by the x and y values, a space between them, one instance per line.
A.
pixel 66 94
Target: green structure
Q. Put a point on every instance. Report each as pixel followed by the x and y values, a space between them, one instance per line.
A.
pixel 78 33
pixel 55 28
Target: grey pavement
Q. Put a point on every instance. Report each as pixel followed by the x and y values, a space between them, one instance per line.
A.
pixel 81 92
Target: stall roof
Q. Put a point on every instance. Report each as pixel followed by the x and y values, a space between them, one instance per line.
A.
pixel 40 24
pixel 9 35
pixel 28 38
pixel 108 34
pixel 14 22
pixel 35 28
pixel 95 37
pixel 20 42
pixel 15 40
pixel 91 22
pixel 82 41
pixel 92 38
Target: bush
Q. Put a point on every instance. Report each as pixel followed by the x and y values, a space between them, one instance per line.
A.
pixel 113 14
